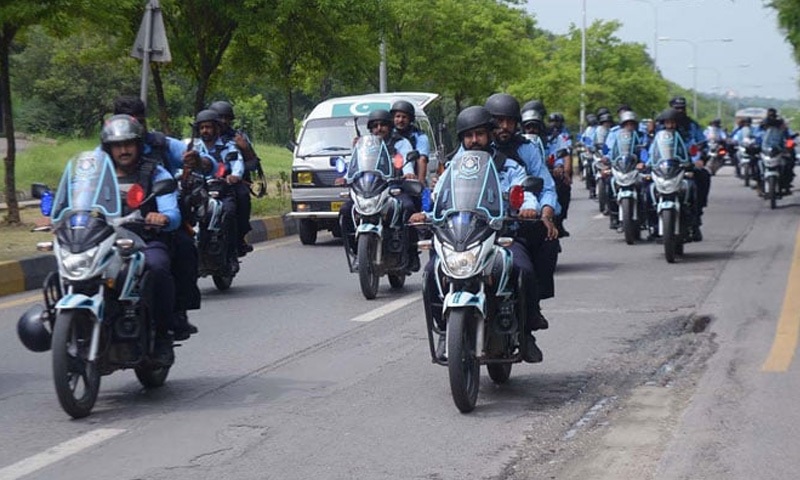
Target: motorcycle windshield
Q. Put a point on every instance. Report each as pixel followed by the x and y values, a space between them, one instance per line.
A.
pixel 600 135
pixel 625 143
pixel 665 146
pixel 773 138
pixel 624 163
pixel 88 185
pixel 714 134
pixel 470 184
pixel 370 155
pixel 667 168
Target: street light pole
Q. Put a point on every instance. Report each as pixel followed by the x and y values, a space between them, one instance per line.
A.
pixel 583 66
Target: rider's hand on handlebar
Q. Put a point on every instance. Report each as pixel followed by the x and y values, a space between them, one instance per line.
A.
pixel 417 217
pixel 155 218
pixel 190 158
pixel 528 213
pixel 410 176
pixel 640 166
pixel 233 179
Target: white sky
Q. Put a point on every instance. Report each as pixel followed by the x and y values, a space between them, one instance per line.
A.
pixel 757 42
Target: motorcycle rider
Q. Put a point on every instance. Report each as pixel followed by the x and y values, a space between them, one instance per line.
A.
pixel 380 123
pixel 541 237
pixel 559 146
pixel 627 122
pixel 252 163
pixel 474 126
pixel 773 120
pixel 122 138
pixel 403 116
pixel 715 127
pixel 208 127
pixel 692 134
pixel 172 154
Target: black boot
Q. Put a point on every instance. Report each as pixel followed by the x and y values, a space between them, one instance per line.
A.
pixel 183 329
pixel 532 352
pixel 163 354
pixel 441 347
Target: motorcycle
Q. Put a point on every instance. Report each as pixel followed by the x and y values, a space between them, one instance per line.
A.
pixel 625 188
pixel 773 161
pixel 671 193
pixel 586 160
pixel 201 203
pixel 716 153
pixel 746 151
pixel 381 237
pixel 483 306
pixel 602 172
pixel 97 314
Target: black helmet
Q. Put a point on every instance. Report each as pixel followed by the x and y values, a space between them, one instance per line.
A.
pixel 121 128
pixel 535 105
pixel 556 117
pixel 473 117
pixel 503 105
pixel 32 331
pixel 747 120
pixel 379 116
pixel 206 115
pixel 716 122
pixel 623 108
pixel 677 102
pixel 605 117
pixel 223 109
pixel 405 107
pixel 670 114
pixel 591 119
pixel 601 111
pixel 531 116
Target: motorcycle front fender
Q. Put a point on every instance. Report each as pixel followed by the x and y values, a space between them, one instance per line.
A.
pixel 79 301
pixel 369 228
pixel 465 300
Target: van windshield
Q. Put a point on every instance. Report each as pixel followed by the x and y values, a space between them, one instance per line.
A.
pixel 330 136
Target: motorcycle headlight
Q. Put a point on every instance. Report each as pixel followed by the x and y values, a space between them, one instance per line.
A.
pixel 462 264
pixel 668 185
pixel 367 206
pixel 77 265
pixel 626 178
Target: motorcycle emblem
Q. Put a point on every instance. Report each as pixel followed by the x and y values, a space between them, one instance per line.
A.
pixel 470 166
pixel 86 166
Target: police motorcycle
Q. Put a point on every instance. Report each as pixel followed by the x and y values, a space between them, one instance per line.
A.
pixel 381 236
pixel 625 187
pixel 747 151
pixel 483 307
pixel 201 205
pixel 671 193
pixel 602 172
pixel 585 160
pixel 96 315
pixel 772 163
pixel 715 150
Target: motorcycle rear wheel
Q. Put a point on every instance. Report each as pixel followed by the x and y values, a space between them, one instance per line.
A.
pixel 462 361
pixel 670 239
pixel 773 192
pixel 602 196
pixel 77 380
pixel 367 276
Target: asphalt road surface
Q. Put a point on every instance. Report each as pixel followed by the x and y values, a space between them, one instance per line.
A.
pixel 652 370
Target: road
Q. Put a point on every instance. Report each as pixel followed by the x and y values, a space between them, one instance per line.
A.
pixel 652 370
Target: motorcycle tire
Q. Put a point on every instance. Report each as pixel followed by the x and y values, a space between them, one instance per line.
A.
pixel 150 376
pixel 77 380
pixel 499 372
pixel 628 225
pixel 397 280
pixel 746 174
pixel 462 361
pixel 602 196
pixel 222 282
pixel 590 186
pixel 307 229
pixel 367 276
pixel 670 239
pixel 773 192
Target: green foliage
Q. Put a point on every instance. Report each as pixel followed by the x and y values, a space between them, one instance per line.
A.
pixel 44 162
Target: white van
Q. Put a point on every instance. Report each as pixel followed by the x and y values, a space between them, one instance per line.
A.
pixel 327 134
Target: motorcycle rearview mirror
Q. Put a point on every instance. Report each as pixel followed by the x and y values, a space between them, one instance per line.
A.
pixel 516 196
pixel 412 156
pixel 38 189
pixel 533 184
pixel 135 196
pixel 790 143
pixel 164 187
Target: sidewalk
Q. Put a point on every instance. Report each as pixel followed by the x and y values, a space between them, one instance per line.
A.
pixel 29 273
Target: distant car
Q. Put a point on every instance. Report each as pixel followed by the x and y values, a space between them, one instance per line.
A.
pixel 326 136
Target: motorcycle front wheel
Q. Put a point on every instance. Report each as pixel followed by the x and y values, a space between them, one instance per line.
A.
pixel 628 225
pixel 150 376
pixel 77 380
pixel 222 282
pixel 397 280
pixel 670 239
pixel 462 361
pixel 773 192
pixel 367 274
pixel 602 195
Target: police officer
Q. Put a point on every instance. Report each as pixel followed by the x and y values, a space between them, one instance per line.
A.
pixel 403 115
pixel 633 144
pixel 122 138
pixel 474 126
pixel 692 134
pixel 559 152
pixel 208 127
pixel 541 237
pixel 252 163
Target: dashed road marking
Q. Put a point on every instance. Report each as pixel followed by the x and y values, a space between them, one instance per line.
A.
pixel 387 309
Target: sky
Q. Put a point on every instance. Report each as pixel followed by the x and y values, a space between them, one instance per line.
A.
pixel 756 62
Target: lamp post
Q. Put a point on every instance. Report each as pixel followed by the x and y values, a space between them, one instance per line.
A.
pixel 694 62
pixel 654 5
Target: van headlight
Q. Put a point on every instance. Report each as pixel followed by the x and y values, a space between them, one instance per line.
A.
pixel 77 265
pixel 462 264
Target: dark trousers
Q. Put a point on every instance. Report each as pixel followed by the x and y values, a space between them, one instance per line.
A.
pixel 564 193
pixel 702 181
pixel 544 256
pixel 184 270
pixel 157 263
pixel 243 208
pixel 231 221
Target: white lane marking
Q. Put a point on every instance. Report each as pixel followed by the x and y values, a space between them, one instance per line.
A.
pixel 57 453
pixel 387 309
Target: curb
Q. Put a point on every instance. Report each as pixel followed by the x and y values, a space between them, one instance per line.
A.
pixel 18 276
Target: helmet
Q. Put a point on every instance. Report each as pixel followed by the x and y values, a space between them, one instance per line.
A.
pixel 623 108
pixel 531 116
pixel 403 106
pixel 677 102
pixel 223 109
pixel 591 119
pixel 503 105
pixel 121 128
pixel 747 120
pixel 602 110
pixel 670 114
pixel 716 122
pixel 379 116
pixel 207 115
pixel 605 117
pixel 556 117
pixel 535 105
pixel 31 330
pixel 627 116
pixel 473 117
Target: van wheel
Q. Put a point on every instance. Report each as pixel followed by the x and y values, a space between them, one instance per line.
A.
pixel 308 232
